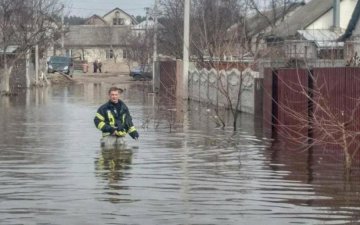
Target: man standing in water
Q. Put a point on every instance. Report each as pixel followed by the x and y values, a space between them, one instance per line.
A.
pixel 114 120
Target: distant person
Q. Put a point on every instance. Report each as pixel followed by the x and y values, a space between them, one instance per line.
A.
pixel 99 65
pixel 95 64
pixel 113 118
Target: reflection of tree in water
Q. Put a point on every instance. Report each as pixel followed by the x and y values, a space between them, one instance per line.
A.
pixel 330 191
pixel 111 166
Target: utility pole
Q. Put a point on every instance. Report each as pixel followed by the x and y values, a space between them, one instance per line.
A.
pixel 186 48
pixel 35 5
pixel 36 64
pixel 155 76
pixel 147 9
pixel 27 68
pixel 62 30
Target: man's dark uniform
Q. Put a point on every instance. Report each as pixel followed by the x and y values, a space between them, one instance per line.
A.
pixel 115 117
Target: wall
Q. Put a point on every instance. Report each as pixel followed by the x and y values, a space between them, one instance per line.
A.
pixel 109 18
pixel 355 36
pixel 346 12
pixel 209 86
pixel 95 21
pixel 91 54
pixel 326 21
pixel 354 41
pixel 300 49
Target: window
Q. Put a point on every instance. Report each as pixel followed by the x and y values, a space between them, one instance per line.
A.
pixel 118 21
pixel 109 54
pixel 331 53
pixel 124 54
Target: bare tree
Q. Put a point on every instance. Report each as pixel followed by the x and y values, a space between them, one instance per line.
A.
pixel 261 19
pixel 138 47
pixel 211 21
pixel 114 37
pixel 171 36
pixel 108 35
pixel 24 24
pixel 226 29
pixel 213 46
pixel 210 40
pixel 308 117
pixel 221 33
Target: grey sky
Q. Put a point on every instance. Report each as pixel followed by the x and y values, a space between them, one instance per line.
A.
pixel 86 8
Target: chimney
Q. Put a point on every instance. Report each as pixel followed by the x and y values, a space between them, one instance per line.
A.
pixel 336 15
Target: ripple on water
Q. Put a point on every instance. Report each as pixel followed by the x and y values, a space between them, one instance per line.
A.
pixel 56 173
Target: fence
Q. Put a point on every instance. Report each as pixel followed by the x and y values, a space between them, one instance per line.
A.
pixel 222 87
pixel 297 101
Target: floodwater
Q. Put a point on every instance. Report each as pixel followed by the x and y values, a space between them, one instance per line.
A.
pixel 182 170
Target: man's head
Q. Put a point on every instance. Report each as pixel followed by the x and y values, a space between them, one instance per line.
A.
pixel 114 94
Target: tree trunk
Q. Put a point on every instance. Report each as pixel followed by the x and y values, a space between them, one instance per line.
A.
pixel 235 120
pixel 27 69
pixel 5 82
pixel 348 159
pixel 238 101
pixel 348 162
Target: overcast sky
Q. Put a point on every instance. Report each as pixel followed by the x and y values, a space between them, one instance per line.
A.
pixel 86 8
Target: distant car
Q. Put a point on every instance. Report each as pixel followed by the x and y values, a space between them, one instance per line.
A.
pixel 62 64
pixel 142 72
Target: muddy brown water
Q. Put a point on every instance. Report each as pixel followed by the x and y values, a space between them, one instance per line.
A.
pixel 53 171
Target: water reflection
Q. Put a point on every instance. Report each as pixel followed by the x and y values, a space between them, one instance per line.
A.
pixel 113 166
pixel 54 172
pixel 335 197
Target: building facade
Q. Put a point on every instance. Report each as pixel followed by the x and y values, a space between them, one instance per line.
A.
pixel 101 38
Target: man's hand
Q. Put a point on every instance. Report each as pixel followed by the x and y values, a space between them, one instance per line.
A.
pixel 134 135
pixel 120 133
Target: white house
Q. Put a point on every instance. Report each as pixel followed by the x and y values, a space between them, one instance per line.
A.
pixel 119 17
pixel 256 27
pixel 351 38
pixel 143 27
pixel 313 31
pixel 101 38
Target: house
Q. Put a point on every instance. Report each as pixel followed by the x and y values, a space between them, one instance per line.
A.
pixel 141 28
pixel 115 17
pixel 351 38
pixel 106 43
pixel 313 31
pixel 95 20
pixel 260 25
pixel 119 17
pixel 251 32
pixel 101 38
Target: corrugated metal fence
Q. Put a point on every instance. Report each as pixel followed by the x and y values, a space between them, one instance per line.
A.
pixel 167 82
pixel 297 100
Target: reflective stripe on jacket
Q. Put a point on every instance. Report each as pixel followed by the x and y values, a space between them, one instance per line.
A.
pixel 110 116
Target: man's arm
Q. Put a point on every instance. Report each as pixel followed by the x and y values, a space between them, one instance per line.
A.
pixel 130 126
pixel 101 124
